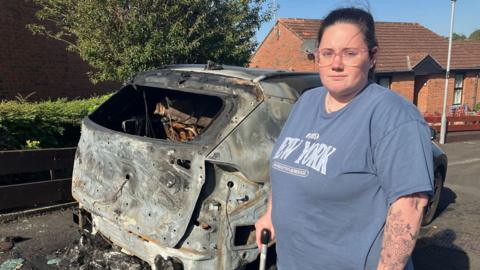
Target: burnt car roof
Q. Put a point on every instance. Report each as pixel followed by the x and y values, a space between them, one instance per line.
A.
pixel 278 83
pixel 252 74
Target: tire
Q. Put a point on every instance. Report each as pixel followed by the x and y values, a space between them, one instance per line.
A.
pixel 432 205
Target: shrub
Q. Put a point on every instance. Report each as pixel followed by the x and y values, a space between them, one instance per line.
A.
pixel 32 144
pixel 46 124
pixel 477 107
pixel 6 140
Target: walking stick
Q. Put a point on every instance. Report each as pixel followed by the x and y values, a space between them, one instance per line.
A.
pixel 265 238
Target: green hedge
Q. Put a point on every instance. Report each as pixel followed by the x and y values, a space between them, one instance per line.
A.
pixel 477 107
pixel 25 125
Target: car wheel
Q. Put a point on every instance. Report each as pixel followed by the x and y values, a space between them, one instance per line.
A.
pixel 432 205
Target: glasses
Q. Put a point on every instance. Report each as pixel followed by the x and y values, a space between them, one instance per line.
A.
pixel 350 56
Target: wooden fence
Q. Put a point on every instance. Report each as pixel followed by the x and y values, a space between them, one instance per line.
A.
pixel 456 123
pixel 31 193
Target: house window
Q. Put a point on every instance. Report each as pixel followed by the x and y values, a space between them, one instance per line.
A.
pixel 458 89
pixel 384 81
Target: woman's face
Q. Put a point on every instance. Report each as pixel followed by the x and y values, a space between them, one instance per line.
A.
pixel 347 73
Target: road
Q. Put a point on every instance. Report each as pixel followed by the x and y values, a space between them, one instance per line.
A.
pixel 450 242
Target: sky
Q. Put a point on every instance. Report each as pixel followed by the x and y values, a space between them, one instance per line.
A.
pixel 432 14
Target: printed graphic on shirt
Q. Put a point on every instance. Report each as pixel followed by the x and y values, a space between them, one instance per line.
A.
pixel 314 155
pixel 287 147
pixel 288 169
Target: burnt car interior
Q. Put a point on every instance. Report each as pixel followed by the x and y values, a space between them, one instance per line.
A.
pixel 158 113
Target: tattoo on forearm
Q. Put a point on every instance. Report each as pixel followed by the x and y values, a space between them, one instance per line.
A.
pixel 400 235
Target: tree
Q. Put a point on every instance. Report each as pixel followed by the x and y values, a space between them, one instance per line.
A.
pixel 475 35
pixel 456 36
pixel 121 37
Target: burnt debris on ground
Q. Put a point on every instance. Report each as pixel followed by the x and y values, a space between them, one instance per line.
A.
pixel 92 252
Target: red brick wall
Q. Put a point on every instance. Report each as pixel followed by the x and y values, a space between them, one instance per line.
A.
pixel 38 64
pixel 403 84
pixel 436 86
pixel 471 89
pixel 423 94
pixel 430 97
pixel 281 49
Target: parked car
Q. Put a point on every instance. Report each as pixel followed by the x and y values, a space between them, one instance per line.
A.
pixel 173 168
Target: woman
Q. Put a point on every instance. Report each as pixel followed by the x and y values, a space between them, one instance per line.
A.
pixel 352 168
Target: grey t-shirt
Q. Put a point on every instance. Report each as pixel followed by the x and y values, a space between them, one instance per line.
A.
pixel 335 175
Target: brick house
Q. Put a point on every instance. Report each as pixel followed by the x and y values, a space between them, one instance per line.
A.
pixel 38 64
pixel 412 60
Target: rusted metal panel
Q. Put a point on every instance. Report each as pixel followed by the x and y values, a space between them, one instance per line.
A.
pixel 139 185
pixel 255 136
pixel 35 194
pixel 27 161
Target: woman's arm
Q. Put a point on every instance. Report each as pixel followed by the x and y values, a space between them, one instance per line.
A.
pixel 403 223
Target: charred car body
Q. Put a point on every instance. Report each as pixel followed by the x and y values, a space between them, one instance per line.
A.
pixel 173 168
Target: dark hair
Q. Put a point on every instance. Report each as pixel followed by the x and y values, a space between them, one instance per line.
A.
pixel 361 18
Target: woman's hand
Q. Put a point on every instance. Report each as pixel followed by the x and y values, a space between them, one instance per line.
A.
pixel 265 222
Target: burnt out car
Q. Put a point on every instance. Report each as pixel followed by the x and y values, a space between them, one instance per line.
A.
pixel 173 168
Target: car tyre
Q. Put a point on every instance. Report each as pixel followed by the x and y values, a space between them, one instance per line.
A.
pixel 431 208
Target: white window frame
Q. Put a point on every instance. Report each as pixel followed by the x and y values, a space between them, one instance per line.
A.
pixel 458 89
